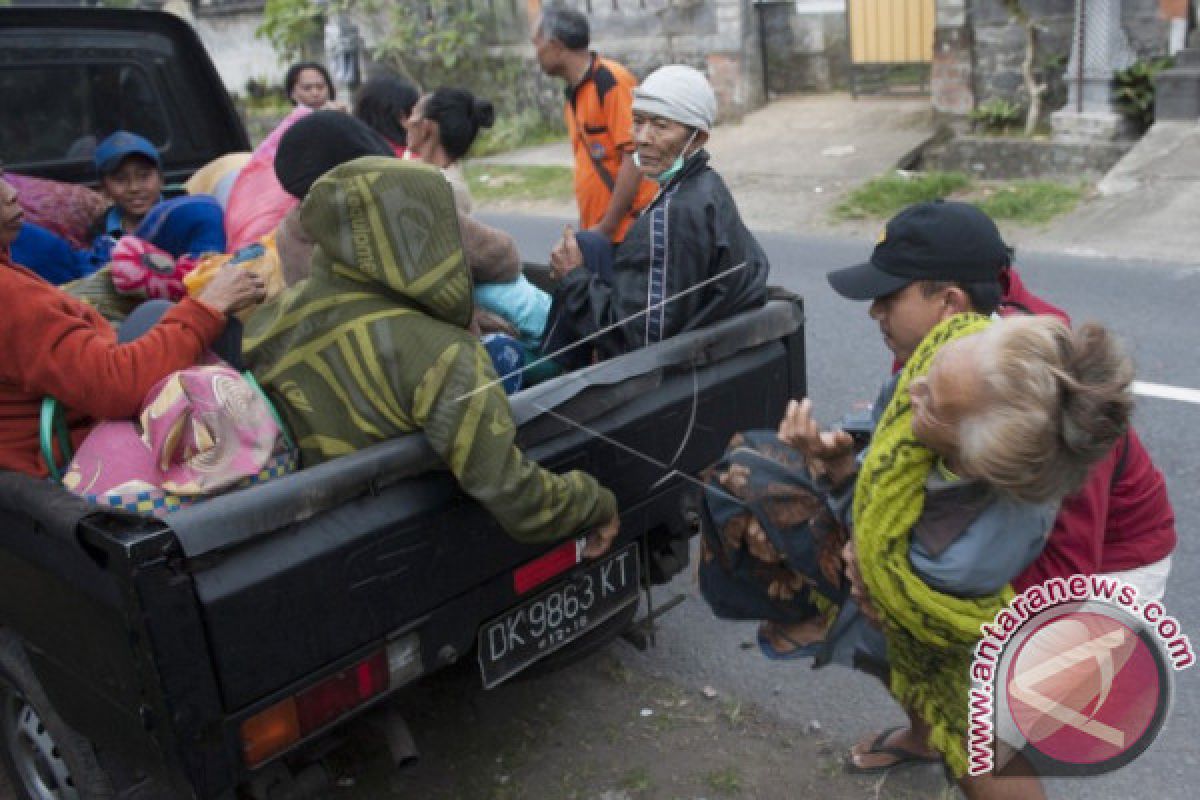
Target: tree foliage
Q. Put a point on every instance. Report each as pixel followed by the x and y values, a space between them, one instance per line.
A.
pixel 423 40
pixel 291 25
pixel 430 43
pixel 1133 89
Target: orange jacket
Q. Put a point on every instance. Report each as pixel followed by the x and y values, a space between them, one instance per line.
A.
pixel 599 117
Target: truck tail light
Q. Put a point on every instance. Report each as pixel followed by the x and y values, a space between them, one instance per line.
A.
pixel 545 567
pixel 269 732
pixel 275 729
pixel 321 704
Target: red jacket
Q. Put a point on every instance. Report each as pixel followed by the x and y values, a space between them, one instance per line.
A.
pixel 52 344
pixel 1121 518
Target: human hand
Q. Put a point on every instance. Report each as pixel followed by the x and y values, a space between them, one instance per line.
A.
pixel 484 321
pixel 233 289
pixel 785 585
pixel 759 545
pixel 829 453
pixel 566 255
pixel 602 537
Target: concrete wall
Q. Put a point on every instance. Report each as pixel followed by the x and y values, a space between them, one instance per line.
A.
pixel 952 73
pixel 718 36
pixel 1001 158
pixel 807 44
pixel 230 41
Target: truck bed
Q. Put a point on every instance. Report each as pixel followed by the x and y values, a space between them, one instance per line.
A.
pixel 233 603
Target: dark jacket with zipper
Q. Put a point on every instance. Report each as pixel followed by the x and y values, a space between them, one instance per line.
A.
pixel 690 233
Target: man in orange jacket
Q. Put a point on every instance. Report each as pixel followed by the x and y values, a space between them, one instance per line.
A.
pixel 609 188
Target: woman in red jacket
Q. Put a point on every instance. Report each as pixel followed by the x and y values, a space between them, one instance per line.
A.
pixel 53 345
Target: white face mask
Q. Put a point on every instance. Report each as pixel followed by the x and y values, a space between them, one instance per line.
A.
pixel 673 170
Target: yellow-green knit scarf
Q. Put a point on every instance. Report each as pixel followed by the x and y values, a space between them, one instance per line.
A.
pixel 930 635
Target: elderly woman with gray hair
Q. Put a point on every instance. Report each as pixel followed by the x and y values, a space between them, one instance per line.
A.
pixel 686 262
pixel 891 561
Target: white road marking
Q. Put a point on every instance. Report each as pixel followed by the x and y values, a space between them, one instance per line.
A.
pixel 1161 390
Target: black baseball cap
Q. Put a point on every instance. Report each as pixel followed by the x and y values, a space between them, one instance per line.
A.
pixel 939 241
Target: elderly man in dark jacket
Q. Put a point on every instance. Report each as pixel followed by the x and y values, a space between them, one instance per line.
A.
pixel 688 260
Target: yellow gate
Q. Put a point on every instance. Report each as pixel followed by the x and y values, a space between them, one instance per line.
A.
pixel 887 34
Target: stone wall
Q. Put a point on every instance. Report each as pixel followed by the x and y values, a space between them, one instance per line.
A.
pixel 999 44
pixel 1002 158
pixel 1000 49
pixel 1147 27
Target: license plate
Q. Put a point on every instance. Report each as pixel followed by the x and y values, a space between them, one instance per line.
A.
pixel 557 616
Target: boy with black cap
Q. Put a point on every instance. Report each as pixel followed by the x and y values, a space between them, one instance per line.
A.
pixel 932 261
pixel 938 259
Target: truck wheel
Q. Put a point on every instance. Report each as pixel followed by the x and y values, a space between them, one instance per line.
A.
pixel 44 758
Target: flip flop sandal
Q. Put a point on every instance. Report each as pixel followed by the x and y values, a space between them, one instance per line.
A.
pixel 904 757
pixel 798 651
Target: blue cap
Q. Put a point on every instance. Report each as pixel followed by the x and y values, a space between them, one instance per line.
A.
pixel 122 144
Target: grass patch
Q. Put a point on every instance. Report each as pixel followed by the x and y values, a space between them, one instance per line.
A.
pixel 1022 202
pixel 637 780
pixel 883 197
pixel 732 712
pixel 491 182
pixel 617 672
pixel 724 781
pixel 1029 202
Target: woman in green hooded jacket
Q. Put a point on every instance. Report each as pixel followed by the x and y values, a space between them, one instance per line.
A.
pixel 375 345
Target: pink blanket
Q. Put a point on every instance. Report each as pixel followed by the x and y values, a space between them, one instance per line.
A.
pixel 62 208
pixel 257 203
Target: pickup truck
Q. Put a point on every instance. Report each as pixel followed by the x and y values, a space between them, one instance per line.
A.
pixel 188 655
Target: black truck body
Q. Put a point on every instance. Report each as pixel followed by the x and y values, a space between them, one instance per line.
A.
pixel 168 644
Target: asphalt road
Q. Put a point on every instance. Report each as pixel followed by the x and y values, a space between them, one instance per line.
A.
pixel 1153 306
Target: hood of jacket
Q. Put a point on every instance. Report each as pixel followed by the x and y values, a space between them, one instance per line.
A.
pixel 391 224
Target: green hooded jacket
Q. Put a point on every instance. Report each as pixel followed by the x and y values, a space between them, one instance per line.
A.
pixel 374 345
